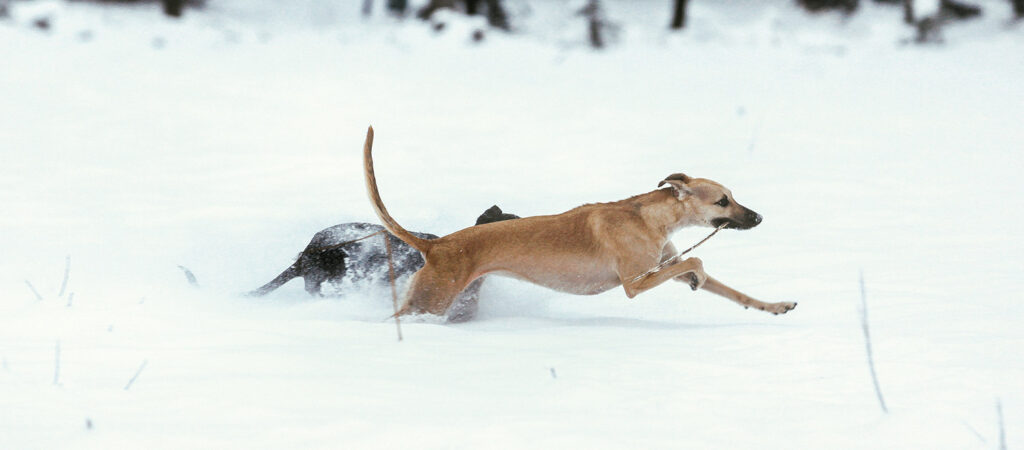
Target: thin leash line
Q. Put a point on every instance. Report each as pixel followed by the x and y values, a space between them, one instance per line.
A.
pixel 675 258
pixel 334 246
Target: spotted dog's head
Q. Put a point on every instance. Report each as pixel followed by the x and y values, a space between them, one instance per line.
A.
pixel 494 214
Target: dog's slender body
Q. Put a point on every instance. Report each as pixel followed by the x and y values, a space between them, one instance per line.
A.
pixel 586 250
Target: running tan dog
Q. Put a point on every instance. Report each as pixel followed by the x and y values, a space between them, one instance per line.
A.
pixel 586 250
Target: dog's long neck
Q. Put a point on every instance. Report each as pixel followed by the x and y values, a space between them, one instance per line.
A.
pixel 662 210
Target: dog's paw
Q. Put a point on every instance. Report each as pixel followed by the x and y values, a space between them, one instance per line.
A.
pixel 694 281
pixel 701 279
pixel 780 307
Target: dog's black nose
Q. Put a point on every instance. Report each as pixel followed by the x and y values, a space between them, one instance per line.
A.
pixel 753 217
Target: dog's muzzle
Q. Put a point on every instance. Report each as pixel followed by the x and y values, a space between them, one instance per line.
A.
pixel 748 220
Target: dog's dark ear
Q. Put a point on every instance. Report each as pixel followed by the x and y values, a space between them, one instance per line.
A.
pixel 678 183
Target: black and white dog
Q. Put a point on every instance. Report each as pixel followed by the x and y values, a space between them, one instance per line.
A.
pixel 337 254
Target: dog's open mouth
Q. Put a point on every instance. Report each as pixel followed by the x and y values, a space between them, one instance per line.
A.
pixel 730 224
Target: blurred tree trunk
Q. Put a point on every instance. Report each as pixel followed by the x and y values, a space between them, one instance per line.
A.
pixel 1018 8
pixel 495 14
pixel 908 12
pixel 679 15
pixel 173 8
pixel 845 6
pixel 367 8
pixel 592 12
pixel 398 7
pixel 956 10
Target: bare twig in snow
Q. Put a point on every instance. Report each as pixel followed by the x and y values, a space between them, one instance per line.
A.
pixel 34 291
pixel 189 276
pixel 71 297
pixel 867 342
pixel 975 432
pixel 391 276
pixel 1002 429
pixel 137 372
pixel 67 272
pixel 553 374
pixel 56 364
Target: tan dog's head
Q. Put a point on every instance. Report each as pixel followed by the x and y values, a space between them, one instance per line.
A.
pixel 711 202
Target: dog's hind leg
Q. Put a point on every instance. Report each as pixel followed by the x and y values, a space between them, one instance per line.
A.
pixel 466 304
pixel 313 282
pixel 714 286
pixel 431 292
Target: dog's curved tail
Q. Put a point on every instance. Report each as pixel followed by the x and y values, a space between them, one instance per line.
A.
pixel 291 272
pixel 378 205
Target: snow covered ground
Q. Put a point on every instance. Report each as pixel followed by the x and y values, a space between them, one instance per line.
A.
pixel 224 141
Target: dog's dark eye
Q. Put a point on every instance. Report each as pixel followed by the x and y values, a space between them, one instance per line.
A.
pixel 723 202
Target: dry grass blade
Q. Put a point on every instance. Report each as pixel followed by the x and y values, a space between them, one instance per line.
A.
pixel 867 343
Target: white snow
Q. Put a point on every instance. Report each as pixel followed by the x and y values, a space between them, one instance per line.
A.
pixel 222 142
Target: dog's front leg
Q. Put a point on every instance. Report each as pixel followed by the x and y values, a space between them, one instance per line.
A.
pixel 669 252
pixel 714 286
pixel 691 271
pixel 690 268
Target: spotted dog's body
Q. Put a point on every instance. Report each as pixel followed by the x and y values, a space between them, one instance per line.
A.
pixel 340 253
pixel 586 250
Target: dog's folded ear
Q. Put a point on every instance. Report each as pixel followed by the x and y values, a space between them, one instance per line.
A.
pixel 678 183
